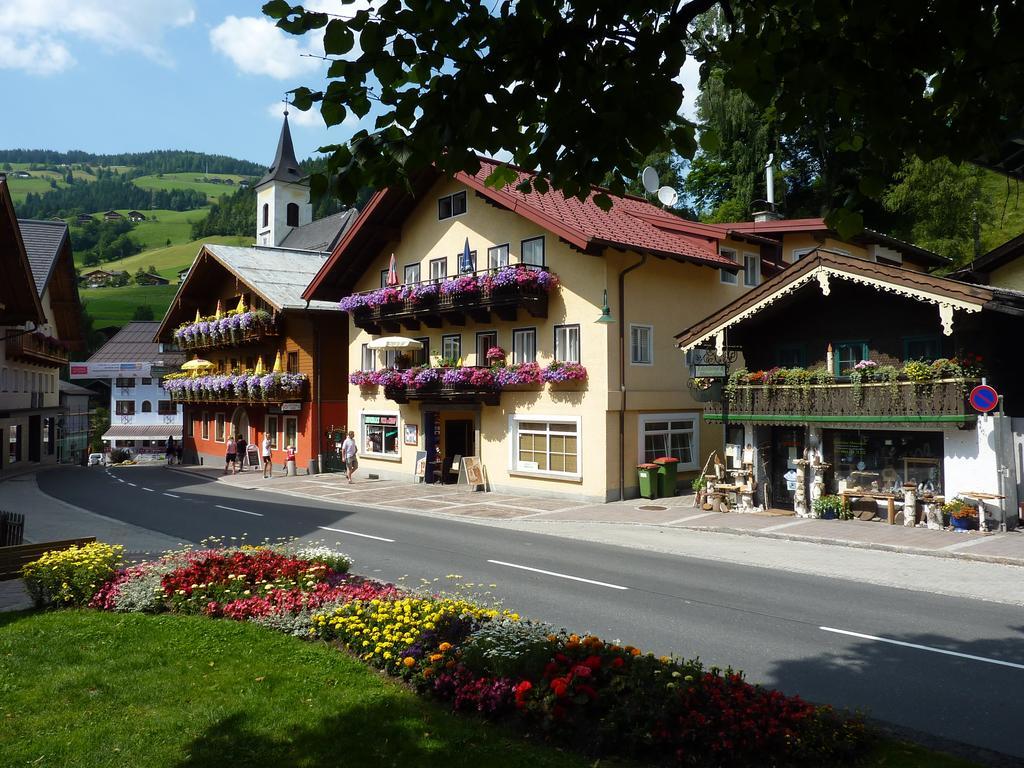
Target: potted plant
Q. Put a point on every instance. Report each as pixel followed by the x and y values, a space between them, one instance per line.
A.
pixel 706 390
pixel 828 507
pixel 962 516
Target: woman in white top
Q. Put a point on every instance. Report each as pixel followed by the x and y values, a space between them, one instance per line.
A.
pixel 268 465
pixel 348 454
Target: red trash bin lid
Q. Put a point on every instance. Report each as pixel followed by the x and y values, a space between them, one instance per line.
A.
pixel 646 466
pixel 666 460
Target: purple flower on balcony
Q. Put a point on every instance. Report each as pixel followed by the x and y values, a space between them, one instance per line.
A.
pixel 426 378
pixel 424 292
pixel 462 285
pixel 204 326
pixel 514 375
pixel 558 372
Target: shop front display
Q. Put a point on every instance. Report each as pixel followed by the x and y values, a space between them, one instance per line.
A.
pixel 885 461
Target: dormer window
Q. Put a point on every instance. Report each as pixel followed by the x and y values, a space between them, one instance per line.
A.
pixel 451 205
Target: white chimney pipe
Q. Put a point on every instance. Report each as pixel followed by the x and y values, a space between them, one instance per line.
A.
pixel 769 174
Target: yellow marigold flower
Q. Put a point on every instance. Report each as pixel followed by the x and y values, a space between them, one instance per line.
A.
pixel 444 647
pixel 409 661
pixel 436 656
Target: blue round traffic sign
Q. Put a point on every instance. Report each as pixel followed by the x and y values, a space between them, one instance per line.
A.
pixel 983 398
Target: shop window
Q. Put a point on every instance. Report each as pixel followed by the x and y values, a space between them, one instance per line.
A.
pixel 484 341
pixel 48 442
pixel 751 270
pixel 438 269
pixel 497 257
pixel 881 462
pixel 927 348
pixel 550 446
pixel 412 274
pixel 291 432
pixel 451 348
pixel 147 407
pixel 847 354
pixel 293 362
pixel 124 407
pixel 670 434
pixel 380 434
pixel 451 205
pixel 641 344
pixel 14 444
pixel 531 252
pixel 524 345
pixel 271 431
pixel 567 343
pixel 727 277
pixel 218 429
pixel 206 426
pixel 791 356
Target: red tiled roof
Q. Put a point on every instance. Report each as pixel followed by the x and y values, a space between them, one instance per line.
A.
pixel 631 222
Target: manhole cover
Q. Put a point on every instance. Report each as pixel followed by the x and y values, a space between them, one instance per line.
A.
pixel 652 508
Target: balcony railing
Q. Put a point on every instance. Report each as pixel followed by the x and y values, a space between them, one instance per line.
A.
pixel 940 401
pixel 36 348
pixel 233 330
pixel 476 295
pixel 237 388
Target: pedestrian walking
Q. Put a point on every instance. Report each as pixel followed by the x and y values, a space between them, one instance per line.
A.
pixel 268 464
pixel 241 446
pixel 171 450
pixel 229 457
pixel 348 455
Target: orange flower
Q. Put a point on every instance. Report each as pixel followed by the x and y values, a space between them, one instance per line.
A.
pixel 436 656
pixel 443 647
pixel 409 661
pixel 574 639
pixel 552 638
pixel 450 665
pixel 428 672
pixel 635 651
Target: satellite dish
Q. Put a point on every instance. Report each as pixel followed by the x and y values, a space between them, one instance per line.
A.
pixel 668 196
pixel 650 179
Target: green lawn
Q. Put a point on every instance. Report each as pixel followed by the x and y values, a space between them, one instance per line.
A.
pixel 192 181
pixel 115 306
pixel 96 689
pixel 170 261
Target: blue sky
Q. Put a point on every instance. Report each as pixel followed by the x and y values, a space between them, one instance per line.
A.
pixel 132 75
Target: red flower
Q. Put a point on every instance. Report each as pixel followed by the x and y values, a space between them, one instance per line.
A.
pixel 617 662
pixel 581 671
pixel 559 686
pixel 594 662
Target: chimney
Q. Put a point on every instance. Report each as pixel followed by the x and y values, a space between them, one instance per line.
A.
pixel 769 213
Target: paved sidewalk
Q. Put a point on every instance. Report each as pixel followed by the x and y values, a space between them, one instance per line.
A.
pixel 556 514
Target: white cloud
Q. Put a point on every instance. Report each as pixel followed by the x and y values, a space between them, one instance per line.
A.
pixel 257 47
pixel 689 76
pixel 309 119
pixel 38 37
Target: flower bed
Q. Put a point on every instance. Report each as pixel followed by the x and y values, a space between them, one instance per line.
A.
pixel 235 386
pixel 214 330
pixel 602 698
pixel 512 278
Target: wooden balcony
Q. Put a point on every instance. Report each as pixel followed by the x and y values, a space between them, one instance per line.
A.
pixel 942 402
pixel 36 348
pixel 427 304
pixel 235 338
pixel 219 389
pixel 462 395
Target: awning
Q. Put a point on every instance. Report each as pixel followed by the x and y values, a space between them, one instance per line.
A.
pixel 394 342
pixel 147 432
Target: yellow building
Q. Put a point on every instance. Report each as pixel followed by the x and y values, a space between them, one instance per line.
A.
pixel 538 276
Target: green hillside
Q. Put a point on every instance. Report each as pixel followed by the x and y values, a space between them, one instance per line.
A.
pixel 115 306
pixel 175 226
pixel 1007 199
pixel 196 181
pixel 169 261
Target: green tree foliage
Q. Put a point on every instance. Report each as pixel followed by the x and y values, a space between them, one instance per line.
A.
pixel 98 241
pixel 106 193
pixel 143 312
pixel 943 207
pixel 562 86
pixel 233 214
pixel 157 161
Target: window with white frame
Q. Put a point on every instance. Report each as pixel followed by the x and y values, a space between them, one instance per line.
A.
pixel 799 253
pixel 420 356
pixel 124 407
pixel 532 252
pixel 270 430
pixel 380 434
pixel 451 347
pixel 670 434
pixel 206 426
pixel 485 340
pixel 369 359
pixel 412 273
pixel 567 343
pixel 497 257
pixel 641 344
pixel 218 428
pixel 546 445
pixel 524 345
pixel 438 269
pixel 291 432
pixel 751 269
pixel 727 277
pixel 451 205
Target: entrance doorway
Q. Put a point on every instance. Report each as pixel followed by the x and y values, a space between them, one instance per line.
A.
pixel 240 424
pixel 35 434
pixel 457 439
pixel 787 447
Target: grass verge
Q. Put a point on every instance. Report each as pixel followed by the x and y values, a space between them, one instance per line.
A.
pixel 84 688
pixel 115 306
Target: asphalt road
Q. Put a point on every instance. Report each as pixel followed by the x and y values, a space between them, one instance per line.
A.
pixel 942 665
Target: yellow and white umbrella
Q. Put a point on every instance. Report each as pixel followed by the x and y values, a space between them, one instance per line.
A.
pixel 196 364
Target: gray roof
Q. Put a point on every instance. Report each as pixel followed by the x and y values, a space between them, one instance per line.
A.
pixel 67 388
pixel 134 344
pixel 279 275
pixel 43 241
pixel 322 234
pixel 142 432
pixel 285 167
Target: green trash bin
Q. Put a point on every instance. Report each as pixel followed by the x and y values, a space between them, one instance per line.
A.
pixel 666 475
pixel 647 476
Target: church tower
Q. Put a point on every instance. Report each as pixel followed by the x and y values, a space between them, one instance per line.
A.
pixel 282 196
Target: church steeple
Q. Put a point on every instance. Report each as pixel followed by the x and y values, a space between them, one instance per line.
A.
pixel 282 195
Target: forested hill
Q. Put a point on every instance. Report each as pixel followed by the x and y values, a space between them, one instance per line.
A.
pixel 156 161
pixel 111 192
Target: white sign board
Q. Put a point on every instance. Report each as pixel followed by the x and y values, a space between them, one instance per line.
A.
pixel 109 370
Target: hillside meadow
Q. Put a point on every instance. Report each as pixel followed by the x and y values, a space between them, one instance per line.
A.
pixel 170 261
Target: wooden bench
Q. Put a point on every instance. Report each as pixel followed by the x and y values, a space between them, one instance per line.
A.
pixel 12 559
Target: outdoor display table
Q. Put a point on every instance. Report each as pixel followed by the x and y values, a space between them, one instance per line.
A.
pixel 848 496
pixel 981 497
